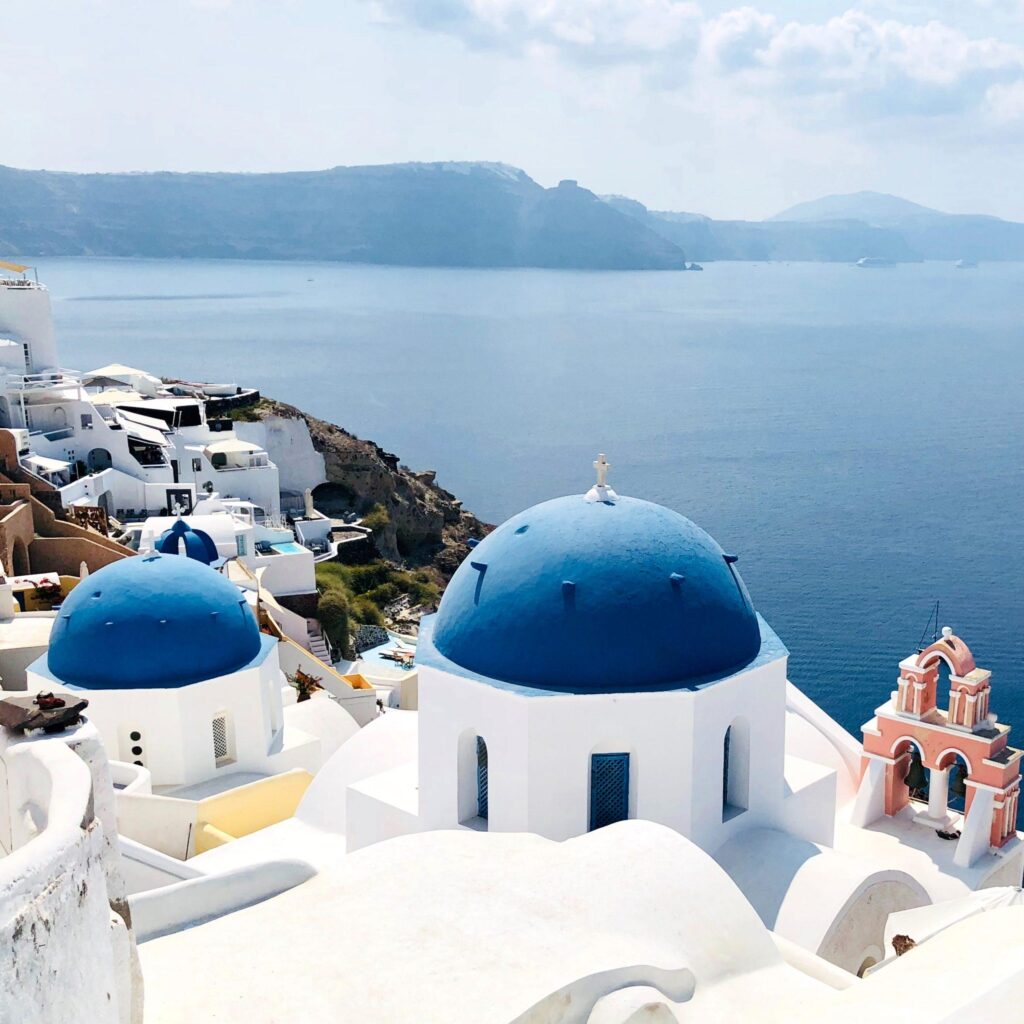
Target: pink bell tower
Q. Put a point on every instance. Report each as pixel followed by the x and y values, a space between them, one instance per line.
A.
pixel 912 725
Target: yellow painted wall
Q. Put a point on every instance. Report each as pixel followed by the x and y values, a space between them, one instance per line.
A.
pixel 249 808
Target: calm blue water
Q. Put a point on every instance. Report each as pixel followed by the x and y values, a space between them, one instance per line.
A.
pixel 855 436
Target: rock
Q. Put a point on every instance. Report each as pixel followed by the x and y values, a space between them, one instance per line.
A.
pixel 426 526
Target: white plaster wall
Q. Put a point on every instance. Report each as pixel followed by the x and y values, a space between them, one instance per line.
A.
pixel 146 868
pixel 14 663
pixel 858 931
pixel 61 892
pixel 155 714
pixel 252 699
pixel 284 573
pixel 758 696
pixel 829 903
pixel 539 751
pixel 809 807
pixel 25 315
pixel 258 484
pixel 323 718
pixel 451 707
pixel 385 743
pixel 289 445
pixel 192 901
pixel 381 808
pixel 177 724
pixel 162 823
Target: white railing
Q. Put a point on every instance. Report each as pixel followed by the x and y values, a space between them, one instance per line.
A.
pixel 46 381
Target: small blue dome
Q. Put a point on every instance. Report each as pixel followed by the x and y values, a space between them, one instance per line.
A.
pixel 197 544
pixel 151 621
pixel 591 596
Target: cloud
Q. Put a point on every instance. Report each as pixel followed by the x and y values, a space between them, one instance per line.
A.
pixel 1006 102
pixel 871 67
pixel 592 31
pixel 854 65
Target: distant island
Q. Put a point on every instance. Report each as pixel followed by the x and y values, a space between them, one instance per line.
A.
pixel 454 214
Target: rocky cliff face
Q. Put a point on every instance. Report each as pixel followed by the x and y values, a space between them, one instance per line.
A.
pixel 421 524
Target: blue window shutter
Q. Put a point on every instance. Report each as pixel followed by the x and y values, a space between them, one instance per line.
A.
pixel 725 768
pixel 609 789
pixel 481 777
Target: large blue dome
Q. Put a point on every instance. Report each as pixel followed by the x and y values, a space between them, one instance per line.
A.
pixel 151 621
pixel 594 596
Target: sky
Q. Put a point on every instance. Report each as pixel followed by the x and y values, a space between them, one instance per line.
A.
pixel 701 105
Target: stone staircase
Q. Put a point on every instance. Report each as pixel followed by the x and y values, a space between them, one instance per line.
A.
pixel 318 645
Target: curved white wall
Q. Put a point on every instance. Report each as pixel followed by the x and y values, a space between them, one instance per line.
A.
pixel 54 893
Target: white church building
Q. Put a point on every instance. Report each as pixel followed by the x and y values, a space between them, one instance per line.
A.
pixel 598 658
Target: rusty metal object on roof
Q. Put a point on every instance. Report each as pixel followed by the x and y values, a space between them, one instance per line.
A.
pixel 44 711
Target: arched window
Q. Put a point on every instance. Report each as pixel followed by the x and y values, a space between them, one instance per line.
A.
pixel 473 780
pixel 99 459
pixel 481 778
pixel 735 769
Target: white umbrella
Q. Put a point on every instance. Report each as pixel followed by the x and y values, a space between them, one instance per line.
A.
pixel 922 923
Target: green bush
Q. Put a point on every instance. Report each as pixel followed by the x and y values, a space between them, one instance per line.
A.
pixel 365 611
pixel 361 578
pixel 334 614
pixel 331 576
pixel 369 588
pixel 383 595
pixel 376 519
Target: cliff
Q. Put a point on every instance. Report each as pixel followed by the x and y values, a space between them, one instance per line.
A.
pixel 416 522
pixel 439 214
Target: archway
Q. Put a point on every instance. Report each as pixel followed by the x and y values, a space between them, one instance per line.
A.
pixel 958 770
pixel 911 770
pixel 19 558
pixel 867 963
pixel 735 769
pixel 473 779
pixel 99 459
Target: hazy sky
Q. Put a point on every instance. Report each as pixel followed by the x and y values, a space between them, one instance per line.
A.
pixel 717 107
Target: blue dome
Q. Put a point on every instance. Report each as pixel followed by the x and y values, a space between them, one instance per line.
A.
pixel 151 621
pixel 197 544
pixel 591 596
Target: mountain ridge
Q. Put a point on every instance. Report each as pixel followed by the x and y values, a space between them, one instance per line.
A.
pixel 454 213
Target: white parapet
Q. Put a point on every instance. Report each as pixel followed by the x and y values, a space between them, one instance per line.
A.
pixel 60 887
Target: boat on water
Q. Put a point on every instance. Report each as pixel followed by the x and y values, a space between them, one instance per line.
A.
pixel 966 265
pixel 875 261
pixel 692 266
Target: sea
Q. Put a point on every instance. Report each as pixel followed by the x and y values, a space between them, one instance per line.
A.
pixel 854 435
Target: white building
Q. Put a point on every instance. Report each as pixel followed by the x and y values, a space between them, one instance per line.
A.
pixel 596 660
pixel 189 699
pixel 115 438
pixel 599 658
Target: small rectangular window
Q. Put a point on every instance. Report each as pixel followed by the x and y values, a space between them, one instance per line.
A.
pixel 197 465
pixel 609 789
pixel 87 421
pixel 240 546
pixel 222 740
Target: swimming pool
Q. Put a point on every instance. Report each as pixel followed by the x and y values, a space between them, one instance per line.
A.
pixel 288 547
